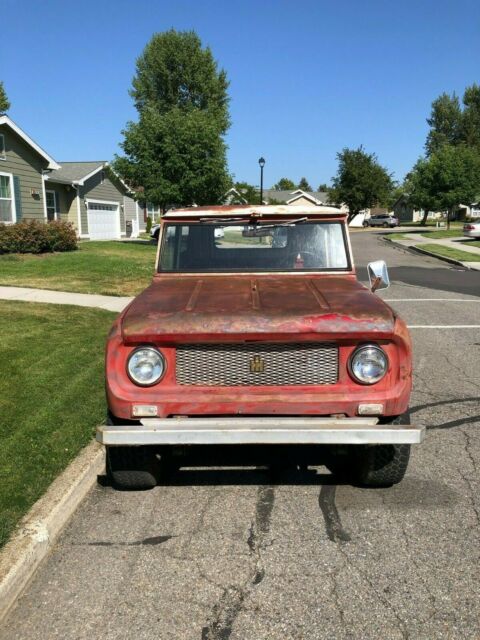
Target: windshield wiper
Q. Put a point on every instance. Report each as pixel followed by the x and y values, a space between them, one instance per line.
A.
pixel 288 223
pixel 254 222
pixel 215 220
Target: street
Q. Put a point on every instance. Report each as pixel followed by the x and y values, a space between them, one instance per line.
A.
pixel 241 554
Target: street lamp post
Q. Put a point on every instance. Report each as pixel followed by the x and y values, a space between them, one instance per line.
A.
pixel 261 162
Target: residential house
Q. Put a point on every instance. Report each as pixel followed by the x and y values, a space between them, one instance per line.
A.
pixel 297 197
pixel 33 186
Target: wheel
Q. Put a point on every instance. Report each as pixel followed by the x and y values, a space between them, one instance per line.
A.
pixel 131 468
pixel 382 465
pixel 365 224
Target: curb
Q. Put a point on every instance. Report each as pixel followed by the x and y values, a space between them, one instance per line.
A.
pixel 40 528
pixel 416 249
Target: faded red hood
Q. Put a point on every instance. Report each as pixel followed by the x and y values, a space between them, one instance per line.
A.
pixel 222 308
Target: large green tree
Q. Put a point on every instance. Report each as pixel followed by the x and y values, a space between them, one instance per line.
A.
pixel 4 101
pixel 470 128
pixel 361 182
pixel 285 184
pixel 177 157
pixel 455 177
pixel 420 188
pixel 448 178
pixel 452 123
pixel 445 123
pixel 175 153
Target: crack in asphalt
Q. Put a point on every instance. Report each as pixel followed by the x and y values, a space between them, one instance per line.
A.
pixel 333 524
pixel 228 607
pixel 467 480
pixel 137 543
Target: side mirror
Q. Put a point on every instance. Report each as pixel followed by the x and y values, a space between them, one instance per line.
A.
pixel 378 275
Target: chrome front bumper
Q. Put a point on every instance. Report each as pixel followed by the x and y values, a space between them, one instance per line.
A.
pixel 241 430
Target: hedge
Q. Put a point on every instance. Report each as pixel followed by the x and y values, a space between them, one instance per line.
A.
pixel 37 237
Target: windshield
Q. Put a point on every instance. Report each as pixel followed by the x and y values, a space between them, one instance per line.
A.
pixel 207 246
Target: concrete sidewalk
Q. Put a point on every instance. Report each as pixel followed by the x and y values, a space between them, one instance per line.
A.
pixel 110 303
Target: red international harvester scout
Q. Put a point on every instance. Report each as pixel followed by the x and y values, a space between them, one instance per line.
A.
pixel 256 334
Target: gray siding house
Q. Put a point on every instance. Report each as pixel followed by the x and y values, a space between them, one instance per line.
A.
pixel 33 186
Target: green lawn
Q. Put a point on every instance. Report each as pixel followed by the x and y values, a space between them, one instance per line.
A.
pixel 109 268
pixel 432 223
pixel 456 254
pixel 397 236
pixel 452 233
pixel 51 367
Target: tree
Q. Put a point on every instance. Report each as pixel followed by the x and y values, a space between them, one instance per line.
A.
pixel 454 172
pixel 175 71
pixel 445 123
pixel 4 101
pixel 177 157
pixel 361 182
pixel 451 124
pixel 470 128
pixel 323 187
pixel 176 153
pixel 285 184
pixel 420 188
pixel 304 186
pixel 248 193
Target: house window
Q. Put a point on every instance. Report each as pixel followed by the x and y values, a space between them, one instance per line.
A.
pixel 52 208
pixel 7 205
pixel 2 147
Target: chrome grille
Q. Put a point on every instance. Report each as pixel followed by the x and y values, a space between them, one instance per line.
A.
pixel 241 364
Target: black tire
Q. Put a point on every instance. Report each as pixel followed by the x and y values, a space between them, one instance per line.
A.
pixel 131 468
pixel 382 465
pixel 365 224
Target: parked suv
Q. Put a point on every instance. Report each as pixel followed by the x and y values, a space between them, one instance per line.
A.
pixel 381 220
pixel 256 331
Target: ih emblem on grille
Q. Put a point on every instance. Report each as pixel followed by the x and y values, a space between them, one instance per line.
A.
pixel 257 365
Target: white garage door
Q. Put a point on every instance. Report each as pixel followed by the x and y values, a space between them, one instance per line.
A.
pixel 103 220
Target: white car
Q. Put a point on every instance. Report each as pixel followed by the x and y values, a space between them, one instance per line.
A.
pixel 472 229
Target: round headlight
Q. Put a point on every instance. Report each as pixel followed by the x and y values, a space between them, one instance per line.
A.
pixel 146 366
pixel 368 364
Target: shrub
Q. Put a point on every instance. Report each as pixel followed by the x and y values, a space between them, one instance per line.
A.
pixel 148 226
pixel 37 237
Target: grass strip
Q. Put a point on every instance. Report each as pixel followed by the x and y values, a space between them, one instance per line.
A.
pixel 447 252
pixel 51 367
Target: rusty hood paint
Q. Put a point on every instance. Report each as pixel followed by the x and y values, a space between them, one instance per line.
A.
pixel 243 307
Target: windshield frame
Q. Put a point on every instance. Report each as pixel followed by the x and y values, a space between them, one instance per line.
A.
pixel 349 269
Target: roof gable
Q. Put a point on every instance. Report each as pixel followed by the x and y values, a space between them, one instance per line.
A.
pixel 5 120
pixel 77 172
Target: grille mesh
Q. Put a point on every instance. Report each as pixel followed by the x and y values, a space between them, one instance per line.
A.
pixel 231 364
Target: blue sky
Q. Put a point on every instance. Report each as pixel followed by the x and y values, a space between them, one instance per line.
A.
pixel 307 77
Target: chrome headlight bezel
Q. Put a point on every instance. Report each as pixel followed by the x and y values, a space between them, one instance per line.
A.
pixel 366 349
pixel 154 352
